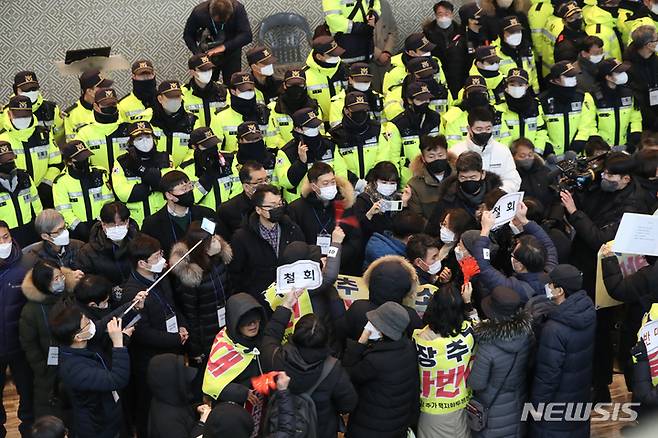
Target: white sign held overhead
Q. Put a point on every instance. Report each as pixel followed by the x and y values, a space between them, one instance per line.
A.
pixel 303 274
pixel 637 234
pixel 505 209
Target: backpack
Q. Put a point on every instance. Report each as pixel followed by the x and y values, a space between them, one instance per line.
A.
pixel 306 416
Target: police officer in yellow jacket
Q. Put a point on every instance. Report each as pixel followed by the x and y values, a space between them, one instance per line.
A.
pixel 359 79
pixel 487 65
pixel 352 23
pixel 521 112
pixel 601 20
pixel 81 113
pixel 404 131
pixel 261 62
pixel 416 45
pixel 107 135
pixel 252 147
pixel 570 114
pixel 47 112
pixel 213 173
pixel 325 74
pixel 135 105
pixel 454 122
pixel 645 13
pixel 306 148
pixel 81 190
pixel 565 27
pixel 359 137
pixel 243 108
pixel 293 97
pixel 33 145
pixel 516 51
pixel 172 125
pixel 618 120
pixel 19 200
pixel 421 69
pixel 202 96
pixel 538 14
pixel 136 173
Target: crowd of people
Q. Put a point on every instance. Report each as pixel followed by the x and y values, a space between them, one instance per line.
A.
pixel 141 236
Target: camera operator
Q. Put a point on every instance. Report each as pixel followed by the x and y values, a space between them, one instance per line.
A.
pixel 220 28
pixel 595 215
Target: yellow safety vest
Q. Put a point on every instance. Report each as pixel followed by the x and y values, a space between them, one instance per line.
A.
pixel 649 333
pixel 302 307
pixel 444 364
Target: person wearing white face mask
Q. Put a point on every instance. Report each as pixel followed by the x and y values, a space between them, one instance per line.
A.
pixel 590 55
pixel 56 244
pixel 107 129
pixel 325 73
pixel 423 252
pixel 202 96
pixel 47 112
pixel 172 124
pixel 244 108
pixel 94 379
pixel 516 51
pixel 487 65
pixel 135 105
pixel 353 25
pixel 163 327
pixel 33 144
pixel 323 196
pixel 359 79
pixel 106 253
pixel 81 191
pixel 136 174
pixel 261 62
pixel 569 113
pixel 616 97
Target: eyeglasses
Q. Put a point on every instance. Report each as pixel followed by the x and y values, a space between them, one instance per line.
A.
pixel 270 207
pixel 57 231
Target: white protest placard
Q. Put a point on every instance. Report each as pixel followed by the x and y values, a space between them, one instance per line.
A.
pixel 637 234
pixel 505 209
pixel 303 274
pixel 649 334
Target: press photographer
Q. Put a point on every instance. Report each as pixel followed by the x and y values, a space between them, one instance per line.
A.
pixel 221 29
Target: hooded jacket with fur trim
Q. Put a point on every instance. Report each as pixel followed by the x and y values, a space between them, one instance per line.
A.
pixel 34 334
pixel 314 217
pixel 389 278
pixel 499 343
pixel 201 293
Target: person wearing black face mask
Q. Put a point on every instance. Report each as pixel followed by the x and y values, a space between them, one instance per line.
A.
pixel 359 79
pixel 170 223
pixel 415 121
pixel 252 147
pixel 18 214
pixel 568 29
pixel 201 95
pixel 535 176
pixel 107 129
pixel 214 170
pixel 430 169
pixel 358 137
pixel 136 173
pixel 81 190
pixel 306 147
pixel 522 114
pixel 293 97
pixel 133 106
pixel 259 243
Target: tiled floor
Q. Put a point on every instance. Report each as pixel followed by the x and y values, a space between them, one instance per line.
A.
pixel 599 429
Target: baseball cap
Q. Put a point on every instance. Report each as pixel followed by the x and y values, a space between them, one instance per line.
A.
pixel 105 96
pixel 294 76
pixel 139 128
pixel 260 54
pixel 76 149
pixel 469 10
pixel 486 53
pixel 566 10
pixel 249 131
pixel 203 137
pixel 511 24
pixel 170 89
pixel 518 73
pixel 142 66
pixel 357 101
pixel 418 41
pixel 417 90
pixel 200 61
pixel 307 118
pixel 475 82
pixel 326 45
pixel 360 70
pixel 611 65
pixel 20 106
pixel 563 68
pixel 23 78
pixel 242 81
pixel 6 152
pixel 423 67
pixel 94 78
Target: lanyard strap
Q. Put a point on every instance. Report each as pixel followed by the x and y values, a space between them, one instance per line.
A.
pixel 173 228
pixel 317 218
pixel 45 320
pixel 163 303
pixel 214 286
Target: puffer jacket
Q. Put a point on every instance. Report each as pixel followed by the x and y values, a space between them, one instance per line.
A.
pixel 503 347
pixel 201 293
pixel 44 251
pixel 101 256
pixel 564 363
pixel 12 272
pixel 380 245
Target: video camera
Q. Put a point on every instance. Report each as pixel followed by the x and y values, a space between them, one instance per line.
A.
pixel 576 174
